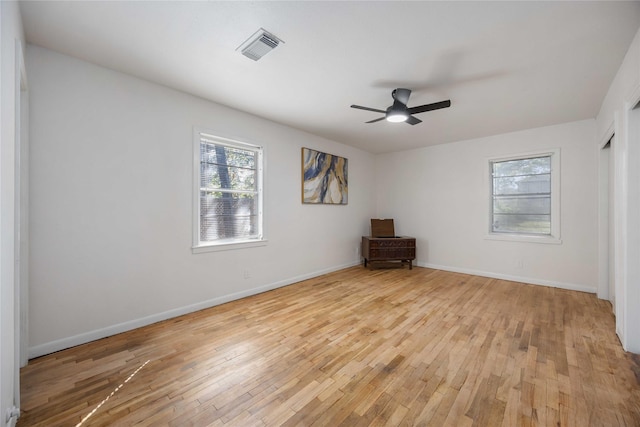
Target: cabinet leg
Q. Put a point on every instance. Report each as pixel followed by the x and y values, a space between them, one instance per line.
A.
pixel 365 262
pixel 410 265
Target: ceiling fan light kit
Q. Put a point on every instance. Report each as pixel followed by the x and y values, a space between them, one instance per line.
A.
pixel 396 116
pixel 399 112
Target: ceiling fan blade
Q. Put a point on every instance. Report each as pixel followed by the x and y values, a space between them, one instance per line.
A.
pixel 401 95
pixel 375 120
pixel 413 120
pixel 368 109
pixel 429 107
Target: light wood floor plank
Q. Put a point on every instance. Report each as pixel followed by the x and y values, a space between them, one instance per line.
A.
pixel 389 347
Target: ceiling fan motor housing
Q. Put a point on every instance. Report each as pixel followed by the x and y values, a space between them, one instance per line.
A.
pixel 397 112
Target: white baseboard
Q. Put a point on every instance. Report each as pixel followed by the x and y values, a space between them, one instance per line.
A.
pixel 522 279
pixel 68 342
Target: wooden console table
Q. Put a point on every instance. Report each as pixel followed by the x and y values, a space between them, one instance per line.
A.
pixel 385 249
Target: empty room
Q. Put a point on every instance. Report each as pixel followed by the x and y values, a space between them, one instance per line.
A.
pixel 320 213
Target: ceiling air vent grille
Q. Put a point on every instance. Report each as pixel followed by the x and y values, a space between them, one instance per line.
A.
pixel 259 44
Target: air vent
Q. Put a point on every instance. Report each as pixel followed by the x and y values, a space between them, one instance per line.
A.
pixel 259 44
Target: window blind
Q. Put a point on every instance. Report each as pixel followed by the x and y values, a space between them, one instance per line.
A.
pixel 521 196
pixel 229 191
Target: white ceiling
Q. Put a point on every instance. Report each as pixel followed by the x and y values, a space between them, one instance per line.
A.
pixel 505 66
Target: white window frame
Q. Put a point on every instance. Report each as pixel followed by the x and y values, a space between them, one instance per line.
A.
pixel 554 236
pixel 199 135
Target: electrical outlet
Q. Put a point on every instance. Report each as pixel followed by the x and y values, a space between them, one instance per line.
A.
pixel 246 274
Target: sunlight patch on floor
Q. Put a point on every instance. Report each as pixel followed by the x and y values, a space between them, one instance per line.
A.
pixel 111 395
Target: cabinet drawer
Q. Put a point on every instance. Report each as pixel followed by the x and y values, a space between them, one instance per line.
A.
pixel 392 243
pixel 392 253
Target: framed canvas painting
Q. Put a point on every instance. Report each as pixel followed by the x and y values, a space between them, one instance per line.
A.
pixel 324 178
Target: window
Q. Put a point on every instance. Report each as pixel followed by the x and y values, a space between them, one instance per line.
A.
pixel 228 192
pixel 525 197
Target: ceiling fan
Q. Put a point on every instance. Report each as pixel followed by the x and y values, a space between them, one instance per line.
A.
pixel 399 112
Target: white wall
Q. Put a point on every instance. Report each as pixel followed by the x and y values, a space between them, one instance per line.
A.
pixel 12 38
pixel 440 195
pixel 111 206
pixel 617 115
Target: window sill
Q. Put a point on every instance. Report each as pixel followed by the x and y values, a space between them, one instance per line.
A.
pixel 228 246
pixel 549 240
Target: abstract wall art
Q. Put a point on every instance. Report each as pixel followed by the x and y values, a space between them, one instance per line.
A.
pixel 324 178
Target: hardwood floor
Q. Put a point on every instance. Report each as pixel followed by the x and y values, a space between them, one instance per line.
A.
pixel 357 347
